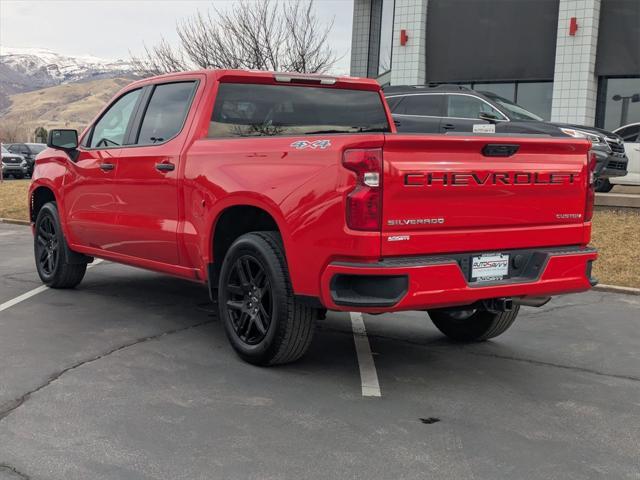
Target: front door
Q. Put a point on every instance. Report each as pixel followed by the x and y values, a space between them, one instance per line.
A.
pixel 90 204
pixel 147 177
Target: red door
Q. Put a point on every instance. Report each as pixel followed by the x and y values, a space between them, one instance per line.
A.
pixel 89 199
pixel 91 207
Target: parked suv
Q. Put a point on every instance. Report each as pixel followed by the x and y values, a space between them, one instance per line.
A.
pixel 454 108
pixel 14 165
pixel 29 151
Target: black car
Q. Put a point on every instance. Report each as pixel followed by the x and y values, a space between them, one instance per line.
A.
pixel 28 151
pixel 454 108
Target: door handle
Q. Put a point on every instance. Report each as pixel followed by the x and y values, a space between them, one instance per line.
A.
pixel 105 167
pixel 448 126
pixel 165 167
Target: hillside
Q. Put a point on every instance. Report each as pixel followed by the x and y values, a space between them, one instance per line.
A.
pixel 70 105
pixel 27 69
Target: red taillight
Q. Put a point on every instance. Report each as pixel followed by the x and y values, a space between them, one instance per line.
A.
pixel 364 202
pixel 591 187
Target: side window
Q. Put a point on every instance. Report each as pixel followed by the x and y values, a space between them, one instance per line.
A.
pixel 109 131
pixel 166 112
pixel 393 103
pixel 630 134
pixel 464 106
pixel 426 105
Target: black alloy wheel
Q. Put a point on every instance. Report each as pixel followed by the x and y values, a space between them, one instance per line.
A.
pixel 265 322
pixel 48 249
pixel 249 300
pixel 57 265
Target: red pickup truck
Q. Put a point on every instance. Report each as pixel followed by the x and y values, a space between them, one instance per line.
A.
pixel 290 195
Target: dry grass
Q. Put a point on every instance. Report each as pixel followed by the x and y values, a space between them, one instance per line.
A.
pixel 71 105
pixel 616 234
pixel 13 199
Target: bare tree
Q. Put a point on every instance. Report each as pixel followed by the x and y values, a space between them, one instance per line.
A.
pixel 257 35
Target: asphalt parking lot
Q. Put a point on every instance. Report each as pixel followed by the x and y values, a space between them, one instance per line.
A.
pixel 130 377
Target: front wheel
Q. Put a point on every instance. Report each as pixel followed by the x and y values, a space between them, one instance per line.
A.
pixel 473 325
pixel 263 320
pixel 49 250
pixel 603 185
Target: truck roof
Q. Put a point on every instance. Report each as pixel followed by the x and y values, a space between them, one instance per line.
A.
pixel 268 77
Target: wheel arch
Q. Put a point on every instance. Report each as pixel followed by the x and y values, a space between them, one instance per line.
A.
pixel 38 197
pixel 234 220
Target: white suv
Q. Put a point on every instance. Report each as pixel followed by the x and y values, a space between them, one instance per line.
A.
pixel 631 136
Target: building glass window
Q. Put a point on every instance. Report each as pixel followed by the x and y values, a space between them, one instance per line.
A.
pixel 619 102
pixel 380 37
pixel 532 96
pixel 536 97
pixel 386 36
pixel 504 90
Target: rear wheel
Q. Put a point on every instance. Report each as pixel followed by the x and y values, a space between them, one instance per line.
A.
pixel 264 322
pixel 473 325
pixel 49 250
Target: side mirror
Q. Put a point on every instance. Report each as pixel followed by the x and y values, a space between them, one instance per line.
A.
pixel 63 139
pixel 489 117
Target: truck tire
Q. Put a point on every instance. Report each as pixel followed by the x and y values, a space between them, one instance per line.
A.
pixel 264 322
pixel 603 185
pixel 50 251
pixel 473 325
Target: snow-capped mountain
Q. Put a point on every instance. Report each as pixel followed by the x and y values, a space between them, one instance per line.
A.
pixel 26 69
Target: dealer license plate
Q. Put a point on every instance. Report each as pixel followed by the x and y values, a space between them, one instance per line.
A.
pixel 487 268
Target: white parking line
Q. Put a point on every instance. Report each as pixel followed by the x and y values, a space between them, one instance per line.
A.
pixel 368 374
pixel 35 291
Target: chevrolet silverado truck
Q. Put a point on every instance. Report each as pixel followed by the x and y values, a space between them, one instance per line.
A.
pixel 290 195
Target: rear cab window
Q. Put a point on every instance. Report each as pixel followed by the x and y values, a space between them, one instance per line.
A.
pixel 255 110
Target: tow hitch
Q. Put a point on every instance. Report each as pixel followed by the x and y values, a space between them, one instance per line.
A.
pixel 497 305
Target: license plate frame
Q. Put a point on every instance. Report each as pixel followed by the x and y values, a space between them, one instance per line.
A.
pixel 489 267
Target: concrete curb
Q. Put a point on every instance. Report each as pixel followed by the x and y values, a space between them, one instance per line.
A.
pixel 15 222
pixel 621 200
pixel 617 289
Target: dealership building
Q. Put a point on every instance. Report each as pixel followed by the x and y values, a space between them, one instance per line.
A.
pixel 574 61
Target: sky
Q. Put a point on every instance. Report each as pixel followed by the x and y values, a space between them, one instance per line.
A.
pixel 113 28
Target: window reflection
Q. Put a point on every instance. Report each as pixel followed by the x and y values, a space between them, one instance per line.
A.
pixel 532 96
pixel 536 97
pixel 621 102
pixel 386 36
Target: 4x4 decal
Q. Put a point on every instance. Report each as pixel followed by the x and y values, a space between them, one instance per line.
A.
pixel 302 144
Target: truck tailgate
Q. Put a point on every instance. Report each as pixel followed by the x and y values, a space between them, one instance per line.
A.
pixel 476 193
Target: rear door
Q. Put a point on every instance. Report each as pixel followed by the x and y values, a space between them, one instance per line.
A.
pixel 443 194
pixel 418 113
pixel 148 171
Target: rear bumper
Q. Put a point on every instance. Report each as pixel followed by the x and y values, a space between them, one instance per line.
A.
pixel 420 283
